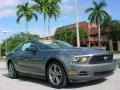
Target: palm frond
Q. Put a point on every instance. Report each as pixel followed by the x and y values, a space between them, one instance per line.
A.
pixel 97 12
pixel 35 16
pixel 25 10
pixel 101 5
pixel 19 17
pixel 89 10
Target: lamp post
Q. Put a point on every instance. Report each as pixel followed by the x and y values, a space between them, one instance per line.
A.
pixel 5 32
pixel 77 27
pixel 0 49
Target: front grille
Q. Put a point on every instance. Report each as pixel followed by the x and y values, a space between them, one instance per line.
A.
pixel 103 73
pixel 101 59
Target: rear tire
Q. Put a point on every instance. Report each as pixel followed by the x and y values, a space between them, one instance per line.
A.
pixel 56 75
pixel 11 71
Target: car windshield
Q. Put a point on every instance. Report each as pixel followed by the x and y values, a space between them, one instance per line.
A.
pixel 56 44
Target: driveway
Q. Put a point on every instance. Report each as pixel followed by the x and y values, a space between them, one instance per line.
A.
pixel 26 83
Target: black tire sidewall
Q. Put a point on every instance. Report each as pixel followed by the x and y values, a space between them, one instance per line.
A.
pixel 63 82
pixel 14 76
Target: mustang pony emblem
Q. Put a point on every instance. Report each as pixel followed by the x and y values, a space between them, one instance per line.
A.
pixel 106 58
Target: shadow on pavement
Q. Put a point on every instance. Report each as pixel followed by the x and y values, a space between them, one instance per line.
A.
pixel 31 80
pixel 84 84
pixel 45 83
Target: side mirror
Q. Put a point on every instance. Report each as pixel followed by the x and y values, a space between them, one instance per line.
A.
pixel 33 49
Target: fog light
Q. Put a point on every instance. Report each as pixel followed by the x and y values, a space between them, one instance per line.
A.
pixel 72 73
pixel 83 73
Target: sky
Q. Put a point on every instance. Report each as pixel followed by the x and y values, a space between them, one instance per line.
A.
pixel 8 16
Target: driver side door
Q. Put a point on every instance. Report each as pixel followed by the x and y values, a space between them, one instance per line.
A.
pixel 23 57
pixel 29 61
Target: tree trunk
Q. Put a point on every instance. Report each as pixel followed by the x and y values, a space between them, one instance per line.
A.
pixel 71 38
pixel 66 38
pixel 26 36
pixel 89 45
pixel 0 50
pixel 49 28
pixel 6 51
pixel 111 45
pixel 99 36
pixel 118 44
pixel 44 29
pixel 89 29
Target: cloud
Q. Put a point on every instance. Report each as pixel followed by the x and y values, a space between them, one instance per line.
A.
pixel 65 18
pixel 67 8
pixel 8 8
pixel 65 1
pixel 7 13
pixel 83 7
pixel 8 3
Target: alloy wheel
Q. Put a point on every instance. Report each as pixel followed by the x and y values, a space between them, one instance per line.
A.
pixel 11 70
pixel 55 74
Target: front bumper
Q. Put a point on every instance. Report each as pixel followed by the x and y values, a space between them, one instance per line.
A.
pixel 87 72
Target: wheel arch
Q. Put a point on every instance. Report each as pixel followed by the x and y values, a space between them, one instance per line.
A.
pixel 55 60
pixel 9 61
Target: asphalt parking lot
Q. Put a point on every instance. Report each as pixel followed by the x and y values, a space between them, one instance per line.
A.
pixel 26 83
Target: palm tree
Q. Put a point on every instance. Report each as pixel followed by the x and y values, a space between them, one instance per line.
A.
pixel 53 12
pixel 49 8
pixel 115 30
pixel 107 23
pixel 26 11
pixel 97 15
pixel 39 7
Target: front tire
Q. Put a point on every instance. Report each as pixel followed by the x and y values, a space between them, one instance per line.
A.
pixel 11 71
pixel 56 75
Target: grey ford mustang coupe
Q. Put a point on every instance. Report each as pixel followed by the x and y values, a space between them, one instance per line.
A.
pixel 59 62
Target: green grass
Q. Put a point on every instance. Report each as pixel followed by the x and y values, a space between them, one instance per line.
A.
pixel 2 60
pixel 118 61
pixel 116 52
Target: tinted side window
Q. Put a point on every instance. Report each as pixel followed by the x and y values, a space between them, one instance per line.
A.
pixel 28 45
pixel 25 46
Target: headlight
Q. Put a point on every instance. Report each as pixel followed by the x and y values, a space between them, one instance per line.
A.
pixel 80 59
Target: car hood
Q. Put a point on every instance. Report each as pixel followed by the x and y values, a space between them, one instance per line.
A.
pixel 86 51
